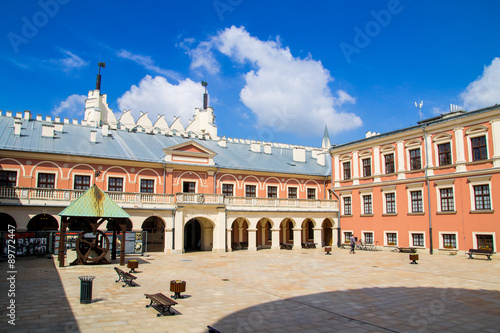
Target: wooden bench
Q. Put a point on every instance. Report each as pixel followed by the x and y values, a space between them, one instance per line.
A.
pixel 161 301
pixel 287 246
pixel 212 330
pixel 407 249
pixel 483 252
pixel 309 245
pixel 125 277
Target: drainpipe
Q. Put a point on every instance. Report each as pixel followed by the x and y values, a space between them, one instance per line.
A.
pixel 428 189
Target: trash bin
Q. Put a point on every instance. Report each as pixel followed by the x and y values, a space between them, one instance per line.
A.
pixel 86 289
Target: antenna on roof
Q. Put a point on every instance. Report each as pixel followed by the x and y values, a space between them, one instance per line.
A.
pixel 205 95
pixel 98 81
pixel 419 106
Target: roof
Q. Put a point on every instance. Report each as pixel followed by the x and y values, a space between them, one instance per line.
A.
pixel 139 146
pixel 94 203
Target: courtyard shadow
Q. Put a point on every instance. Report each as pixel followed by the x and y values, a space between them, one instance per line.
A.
pixel 40 300
pixel 397 309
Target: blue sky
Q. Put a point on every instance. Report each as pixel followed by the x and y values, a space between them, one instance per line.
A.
pixel 276 70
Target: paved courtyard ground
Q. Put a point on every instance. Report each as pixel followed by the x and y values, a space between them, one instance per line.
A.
pixel 264 291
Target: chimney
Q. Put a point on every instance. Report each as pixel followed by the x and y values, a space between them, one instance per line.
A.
pixel 27 114
pixel 9 113
pixel 58 119
pixel 48 118
pixel 75 121
pixel 267 149
pixel 222 143
pixel 47 130
pixel 299 154
pixel 93 135
pixel 66 120
pixel 19 115
pixel 321 159
pixel 17 127
pixel 58 127
pixel 39 117
pixel 105 130
pixel 255 147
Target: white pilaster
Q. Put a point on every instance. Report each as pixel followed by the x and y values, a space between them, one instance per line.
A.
pixel 317 236
pixel 376 164
pixel 495 132
pixel 336 176
pixel 297 239
pixel 401 160
pixel 355 168
pixel 429 155
pixel 179 231
pixel 460 147
pixel 252 239
pixel 275 239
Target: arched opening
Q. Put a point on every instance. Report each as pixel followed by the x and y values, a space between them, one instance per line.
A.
pixel 5 221
pixel 155 234
pixel 198 235
pixel 286 233
pixel 114 223
pixel 307 231
pixel 326 233
pixel 239 234
pixel 264 234
pixel 79 224
pixel 43 222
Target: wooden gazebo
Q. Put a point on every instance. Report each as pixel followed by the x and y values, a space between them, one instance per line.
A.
pixel 95 207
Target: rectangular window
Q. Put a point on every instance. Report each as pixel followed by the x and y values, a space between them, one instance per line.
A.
pixel 418 239
pixel 444 151
pixel 82 182
pixel 292 193
pixel 227 190
pixel 389 163
pixel 347 170
pixel 367 204
pixel 368 237
pixel 311 193
pixel 147 185
pixel 416 202
pixel 447 204
pixel 347 206
pixel 272 191
pixel 367 167
pixel 347 236
pixel 450 241
pixel 415 162
pixel 250 191
pixel 46 180
pixel 8 178
pixel 390 203
pixel 479 148
pixel 189 187
pixel 392 238
pixel 482 197
pixel 115 184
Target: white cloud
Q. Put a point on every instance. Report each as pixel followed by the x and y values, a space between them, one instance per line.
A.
pixel 157 96
pixel 70 62
pixel 148 63
pixel 286 93
pixel 485 90
pixel 201 56
pixel 73 106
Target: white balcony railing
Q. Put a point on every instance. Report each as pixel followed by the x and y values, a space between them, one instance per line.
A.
pixel 32 195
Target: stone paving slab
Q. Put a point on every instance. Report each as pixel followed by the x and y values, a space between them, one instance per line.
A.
pixel 263 291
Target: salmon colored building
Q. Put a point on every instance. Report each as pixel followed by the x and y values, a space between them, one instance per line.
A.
pixel 432 186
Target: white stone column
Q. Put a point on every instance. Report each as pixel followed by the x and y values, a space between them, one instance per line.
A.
pixel 169 228
pixel 275 239
pixel 229 247
pixel 460 147
pixel 297 240
pixel 401 160
pixel 252 239
pixel 317 236
pixel 220 232
pixel 355 168
pixel 495 132
pixel 179 231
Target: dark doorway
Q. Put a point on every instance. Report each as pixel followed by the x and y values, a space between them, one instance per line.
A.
pixel 43 222
pixel 5 221
pixel 192 236
pixel 155 229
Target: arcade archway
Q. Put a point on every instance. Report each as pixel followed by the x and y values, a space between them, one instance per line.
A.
pixel 155 238
pixel 5 221
pixel 43 222
pixel 198 235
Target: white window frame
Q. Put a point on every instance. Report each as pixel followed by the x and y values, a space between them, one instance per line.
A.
pixel 154 182
pixel 342 196
pixel 113 176
pixel 256 189
pixel 387 150
pixel 228 183
pixel 479 180
pixel 415 187
pixel 91 182
pixel 442 184
pixel 410 235
pixel 441 242
pixel 439 139
pixel 18 174
pixel 362 193
pixel 343 235
pixel 292 186
pixel 474 132
pixel 386 243
pixel 367 231
pixel 315 192
pixel 386 190
pixel 474 238
pixel 56 178
pixel 411 145
pixel 277 191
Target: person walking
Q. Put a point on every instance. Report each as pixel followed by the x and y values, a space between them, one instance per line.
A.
pixel 353 244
